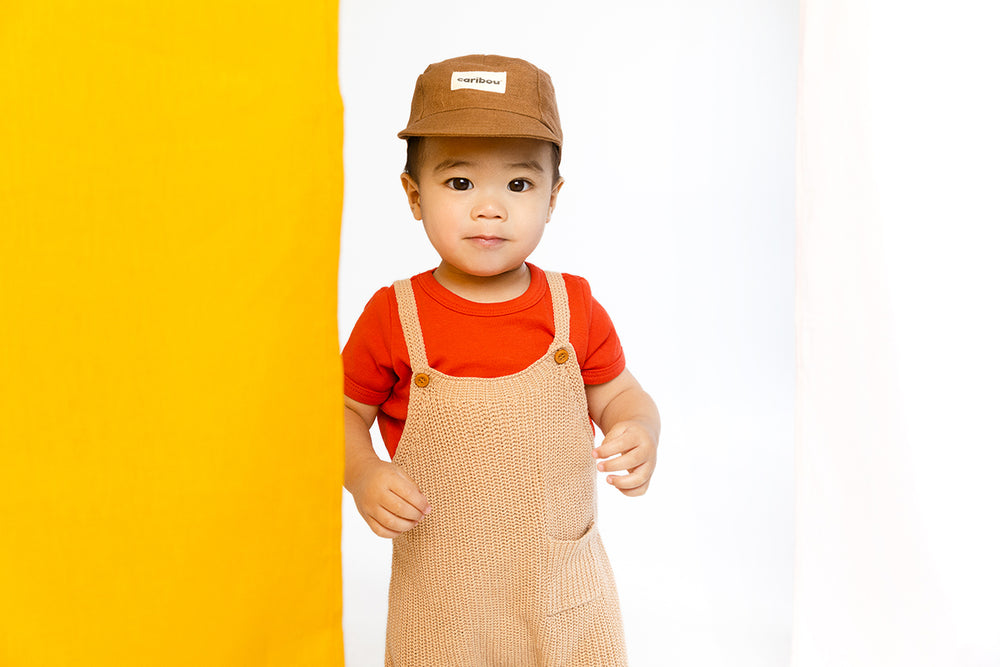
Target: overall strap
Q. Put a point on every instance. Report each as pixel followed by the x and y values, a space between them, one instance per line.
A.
pixel 407 306
pixel 560 305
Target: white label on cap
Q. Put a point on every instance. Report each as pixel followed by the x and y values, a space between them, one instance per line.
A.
pixel 491 82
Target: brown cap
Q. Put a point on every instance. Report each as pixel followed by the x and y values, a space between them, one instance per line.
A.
pixel 484 96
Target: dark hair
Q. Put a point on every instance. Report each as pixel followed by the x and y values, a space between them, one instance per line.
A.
pixel 413 158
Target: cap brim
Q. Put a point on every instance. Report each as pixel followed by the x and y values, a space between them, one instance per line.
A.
pixel 480 123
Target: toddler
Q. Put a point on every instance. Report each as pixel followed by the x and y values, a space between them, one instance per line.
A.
pixel 486 375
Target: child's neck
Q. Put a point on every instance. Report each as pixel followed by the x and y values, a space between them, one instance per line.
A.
pixel 484 289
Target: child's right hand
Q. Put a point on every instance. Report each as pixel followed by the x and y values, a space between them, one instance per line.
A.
pixel 388 499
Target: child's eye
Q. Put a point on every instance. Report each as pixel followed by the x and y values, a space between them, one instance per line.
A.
pixel 519 185
pixel 459 183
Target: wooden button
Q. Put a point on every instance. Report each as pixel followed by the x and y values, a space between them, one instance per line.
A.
pixel 421 379
pixel 561 356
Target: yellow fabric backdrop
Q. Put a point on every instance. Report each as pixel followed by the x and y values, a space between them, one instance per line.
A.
pixel 170 459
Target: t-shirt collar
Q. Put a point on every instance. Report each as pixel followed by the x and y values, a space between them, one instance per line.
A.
pixel 536 290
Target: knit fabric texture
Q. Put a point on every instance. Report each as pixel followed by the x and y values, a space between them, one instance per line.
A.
pixel 508 569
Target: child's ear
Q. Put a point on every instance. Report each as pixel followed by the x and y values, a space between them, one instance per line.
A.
pixel 412 194
pixel 552 198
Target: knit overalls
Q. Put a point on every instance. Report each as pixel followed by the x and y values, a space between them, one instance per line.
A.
pixel 508 568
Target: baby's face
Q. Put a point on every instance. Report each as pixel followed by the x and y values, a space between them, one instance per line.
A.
pixel 484 202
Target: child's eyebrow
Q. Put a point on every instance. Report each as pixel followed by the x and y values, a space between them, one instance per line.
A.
pixel 451 164
pixel 532 165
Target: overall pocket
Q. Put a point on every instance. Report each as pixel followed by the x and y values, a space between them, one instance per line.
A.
pixel 576 572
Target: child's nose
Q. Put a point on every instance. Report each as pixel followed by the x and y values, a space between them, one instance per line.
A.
pixel 489 207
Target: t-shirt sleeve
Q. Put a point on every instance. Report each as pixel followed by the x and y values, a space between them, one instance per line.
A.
pixel 368 371
pixel 604 359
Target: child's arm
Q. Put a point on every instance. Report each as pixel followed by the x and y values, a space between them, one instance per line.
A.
pixel 385 495
pixel 631 425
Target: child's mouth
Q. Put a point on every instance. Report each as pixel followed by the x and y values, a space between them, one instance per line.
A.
pixel 487 241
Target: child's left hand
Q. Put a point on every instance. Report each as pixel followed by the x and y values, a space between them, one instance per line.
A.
pixel 631 425
pixel 634 449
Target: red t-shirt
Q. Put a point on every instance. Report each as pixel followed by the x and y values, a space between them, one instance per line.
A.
pixel 468 339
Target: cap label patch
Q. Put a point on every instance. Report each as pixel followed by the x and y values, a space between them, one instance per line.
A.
pixel 491 82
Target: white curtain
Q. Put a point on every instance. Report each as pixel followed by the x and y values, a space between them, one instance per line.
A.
pixel 898 329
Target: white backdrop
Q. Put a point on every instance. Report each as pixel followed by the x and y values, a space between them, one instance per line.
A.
pixel 898 317
pixel 678 208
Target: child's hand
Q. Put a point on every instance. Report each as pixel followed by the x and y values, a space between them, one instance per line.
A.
pixel 388 499
pixel 631 425
pixel 636 446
